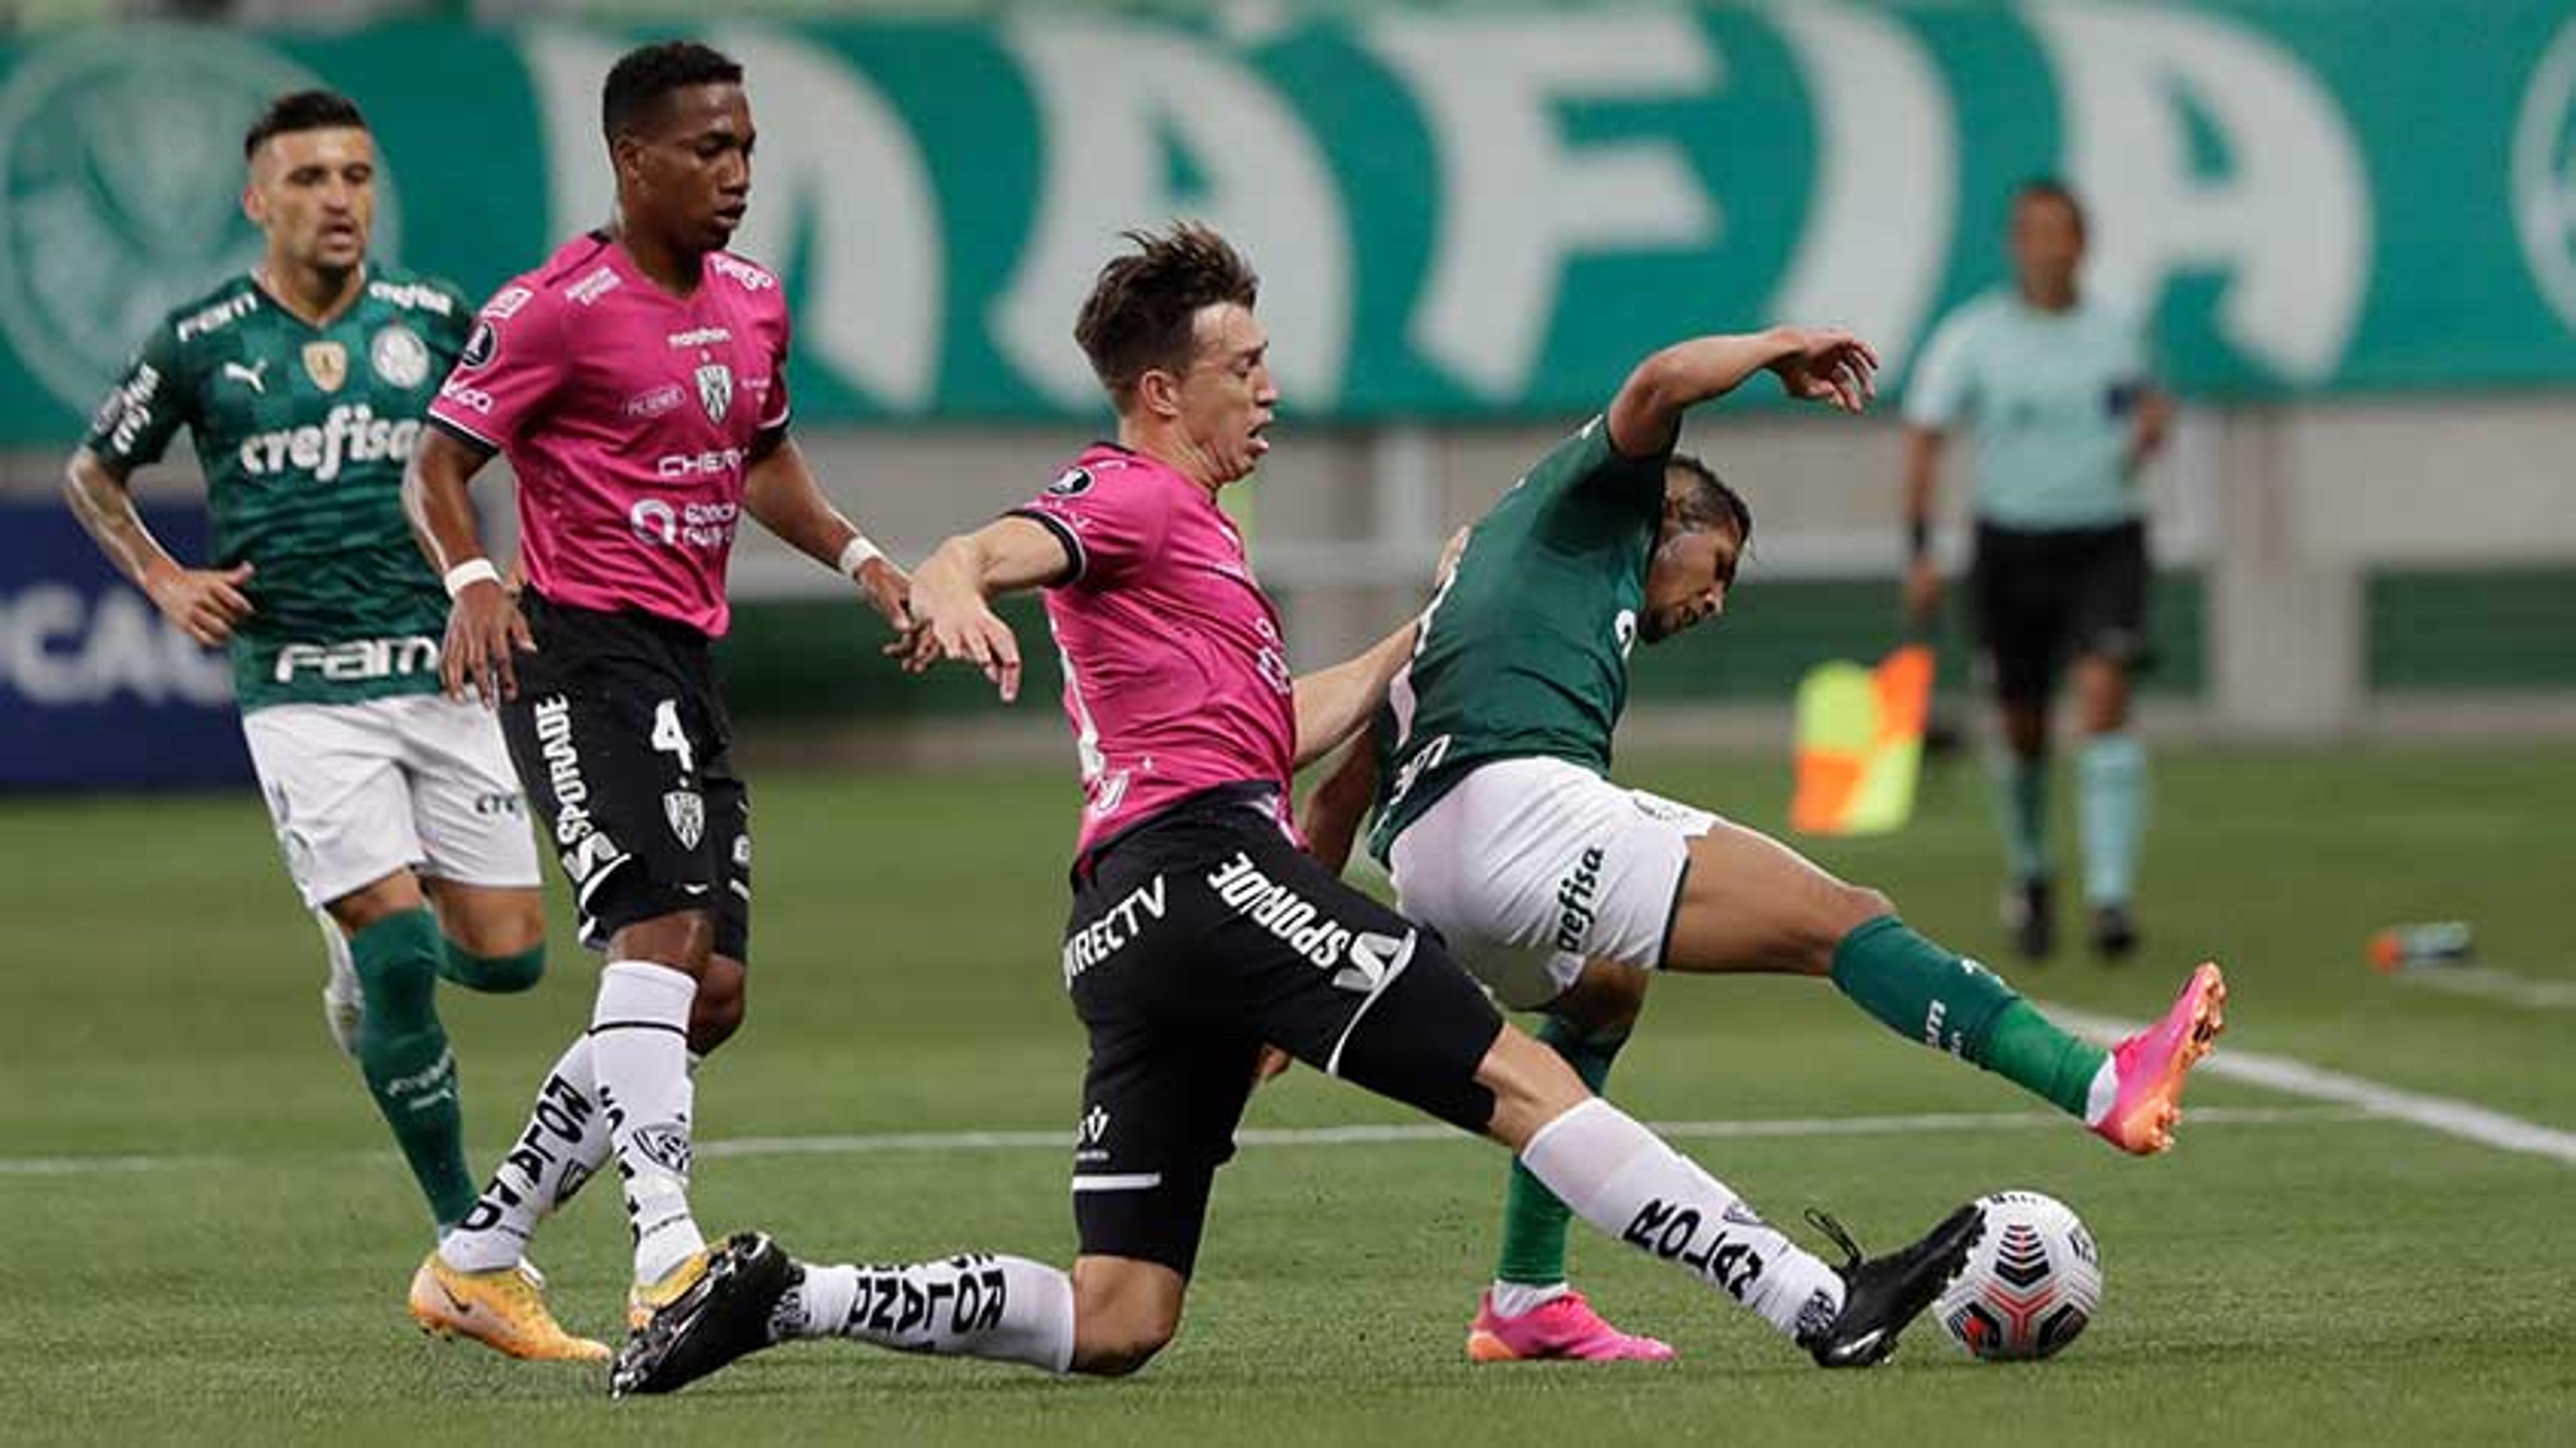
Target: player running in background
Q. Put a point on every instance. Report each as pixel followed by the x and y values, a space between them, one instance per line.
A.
pixel 638 382
pixel 1560 890
pixel 2056 388
pixel 1200 930
pixel 301 385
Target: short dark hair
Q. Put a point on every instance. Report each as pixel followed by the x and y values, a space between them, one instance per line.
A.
pixel 2049 188
pixel 1143 309
pixel 644 75
pixel 1707 502
pixel 304 110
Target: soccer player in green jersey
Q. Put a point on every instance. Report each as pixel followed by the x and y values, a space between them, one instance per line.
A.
pixel 2054 388
pixel 1561 890
pixel 302 385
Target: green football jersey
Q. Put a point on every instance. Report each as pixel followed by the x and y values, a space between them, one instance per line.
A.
pixel 1524 651
pixel 303 433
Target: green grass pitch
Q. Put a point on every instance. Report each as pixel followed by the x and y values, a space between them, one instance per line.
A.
pixel 2306 1273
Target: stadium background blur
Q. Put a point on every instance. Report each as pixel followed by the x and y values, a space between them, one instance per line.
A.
pixel 2354 226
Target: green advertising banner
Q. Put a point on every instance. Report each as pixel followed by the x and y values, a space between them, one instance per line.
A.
pixel 1459 212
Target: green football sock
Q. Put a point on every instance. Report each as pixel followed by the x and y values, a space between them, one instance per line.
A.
pixel 402 1052
pixel 491 974
pixel 1534 1221
pixel 2111 800
pixel 2021 798
pixel 1950 1003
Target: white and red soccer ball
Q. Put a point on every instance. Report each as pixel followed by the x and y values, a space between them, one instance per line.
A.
pixel 2031 1283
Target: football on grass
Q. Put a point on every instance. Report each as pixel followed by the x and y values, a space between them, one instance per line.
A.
pixel 2032 1283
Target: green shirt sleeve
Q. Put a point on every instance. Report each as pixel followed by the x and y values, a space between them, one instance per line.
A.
pixel 1587 493
pixel 149 404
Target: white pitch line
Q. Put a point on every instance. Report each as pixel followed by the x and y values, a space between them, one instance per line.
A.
pixel 1417 1131
pixel 2490 984
pixel 2451 1117
pixel 1274 1136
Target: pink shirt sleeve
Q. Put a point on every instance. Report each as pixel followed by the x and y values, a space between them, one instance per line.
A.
pixel 773 416
pixel 512 362
pixel 1110 518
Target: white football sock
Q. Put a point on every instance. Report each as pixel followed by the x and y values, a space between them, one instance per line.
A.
pixel 1621 1178
pixel 566 1140
pixel 1511 1299
pixel 1005 1309
pixel 639 1049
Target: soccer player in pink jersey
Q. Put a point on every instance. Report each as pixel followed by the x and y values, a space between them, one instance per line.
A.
pixel 1202 930
pixel 638 382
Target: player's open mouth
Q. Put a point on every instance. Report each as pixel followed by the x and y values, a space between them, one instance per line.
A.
pixel 1259 443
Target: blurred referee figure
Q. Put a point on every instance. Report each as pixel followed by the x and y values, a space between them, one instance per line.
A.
pixel 2054 389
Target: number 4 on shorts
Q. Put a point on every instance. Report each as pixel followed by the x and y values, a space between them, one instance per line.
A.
pixel 670 738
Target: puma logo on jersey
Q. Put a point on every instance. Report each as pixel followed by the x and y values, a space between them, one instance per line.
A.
pixel 251 376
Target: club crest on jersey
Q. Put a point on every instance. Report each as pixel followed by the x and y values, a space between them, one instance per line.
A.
pixel 1072 483
pixel 399 357
pixel 686 809
pixel 715 389
pixel 327 363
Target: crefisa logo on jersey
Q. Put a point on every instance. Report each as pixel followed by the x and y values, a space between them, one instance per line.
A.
pixel 715 389
pixel 120 189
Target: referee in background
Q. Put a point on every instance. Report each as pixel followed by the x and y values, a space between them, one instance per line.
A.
pixel 2054 390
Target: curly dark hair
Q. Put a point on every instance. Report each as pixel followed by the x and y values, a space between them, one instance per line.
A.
pixel 644 75
pixel 1142 312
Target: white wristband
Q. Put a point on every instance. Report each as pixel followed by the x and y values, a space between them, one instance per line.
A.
pixel 472 570
pixel 856 553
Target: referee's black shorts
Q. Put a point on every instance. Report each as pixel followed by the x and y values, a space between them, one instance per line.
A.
pixel 2043 597
pixel 1197 938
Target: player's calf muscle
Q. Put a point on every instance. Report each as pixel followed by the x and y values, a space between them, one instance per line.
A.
pixel 1532 1086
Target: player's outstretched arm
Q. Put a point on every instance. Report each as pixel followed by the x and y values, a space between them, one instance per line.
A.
pixel 781 492
pixel 205 602
pixel 952 597
pixel 1820 365
pixel 484 627
pixel 1330 818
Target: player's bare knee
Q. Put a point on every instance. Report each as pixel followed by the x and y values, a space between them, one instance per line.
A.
pixel 494 926
pixel 1605 1000
pixel 683 940
pixel 1116 1348
pixel 718 1009
pixel 370 903
pixel 1123 1314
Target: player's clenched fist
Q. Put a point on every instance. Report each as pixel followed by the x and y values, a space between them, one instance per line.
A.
pixel 483 630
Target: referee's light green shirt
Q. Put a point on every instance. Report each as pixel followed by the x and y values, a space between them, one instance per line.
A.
pixel 2049 399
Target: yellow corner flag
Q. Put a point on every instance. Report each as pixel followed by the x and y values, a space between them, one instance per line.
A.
pixel 1860 743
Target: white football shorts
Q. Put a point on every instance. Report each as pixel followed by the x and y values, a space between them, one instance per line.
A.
pixel 359 791
pixel 1530 867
